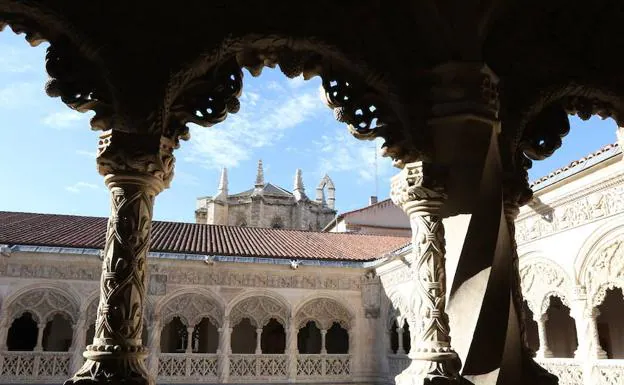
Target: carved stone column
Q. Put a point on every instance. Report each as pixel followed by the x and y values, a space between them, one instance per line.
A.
pixel 189 339
pixel 154 330
pixel 4 330
pixel 585 315
pixel 544 351
pixel 40 328
pixel 323 341
pixel 135 168
pixel 259 341
pixel 78 343
pixel 400 348
pixel 292 350
pixel 418 190
pixel 224 351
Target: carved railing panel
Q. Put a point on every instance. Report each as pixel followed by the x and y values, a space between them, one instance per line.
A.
pixel 608 372
pixel 193 367
pixel 34 366
pixel 323 365
pixel 569 371
pixel 259 366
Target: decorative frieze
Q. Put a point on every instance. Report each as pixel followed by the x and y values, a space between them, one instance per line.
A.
pixel 571 213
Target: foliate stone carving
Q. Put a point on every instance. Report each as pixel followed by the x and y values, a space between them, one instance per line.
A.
pixel 371 295
pixel 259 310
pixel 43 304
pixel 77 83
pixel 206 100
pixel 419 190
pixel 604 270
pixel 42 270
pixel 540 279
pixel 574 211
pixel 191 308
pixel 119 152
pixel 542 136
pixel 324 312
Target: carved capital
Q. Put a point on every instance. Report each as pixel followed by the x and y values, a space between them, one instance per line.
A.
pixel 464 90
pixel 131 154
pixel 418 181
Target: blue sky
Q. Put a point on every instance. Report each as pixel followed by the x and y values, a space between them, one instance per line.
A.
pixel 281 121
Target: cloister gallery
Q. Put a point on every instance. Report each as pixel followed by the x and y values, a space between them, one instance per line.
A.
pixel 465 94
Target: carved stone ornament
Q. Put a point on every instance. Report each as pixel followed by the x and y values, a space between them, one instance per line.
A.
pixel 418 181
pixel 43 304
pixel 540 279
pixel 259 310
pixel 604 270
pixel 371 295
pixel 324 312
pixel 91 313
pixel 191 308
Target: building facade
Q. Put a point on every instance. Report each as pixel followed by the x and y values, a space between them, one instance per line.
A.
pixel 243 304
pixel 269 206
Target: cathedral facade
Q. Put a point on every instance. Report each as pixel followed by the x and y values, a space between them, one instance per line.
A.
pixel 269 206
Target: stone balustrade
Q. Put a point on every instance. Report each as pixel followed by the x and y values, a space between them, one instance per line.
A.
pixel 577 372
pixel 34 367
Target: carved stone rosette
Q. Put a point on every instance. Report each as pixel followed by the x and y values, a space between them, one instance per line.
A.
pixel 418 190
pixel 136 169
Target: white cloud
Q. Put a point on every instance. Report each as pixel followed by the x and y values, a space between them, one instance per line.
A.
pixel 62 119
pixel 341 152
pixel 297 82
pixel 19 95
pixel 81 186
pixel 89 154
pixel 186 178
pixel 18 60
pixel 260 123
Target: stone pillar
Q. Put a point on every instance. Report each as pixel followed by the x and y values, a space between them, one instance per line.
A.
pixel 224 350
pixel 400 348
pixel 40 328
pixel 544 351
pixel 323 341
pixel 153 345
pixel 418 190
pixel 585 315
pixel 135 168
pixel 4 330
pixel 292 350
pixel 189 339
pixel 78 344
pixel 259 341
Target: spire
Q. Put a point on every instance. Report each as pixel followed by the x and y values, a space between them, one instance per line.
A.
pixel 299 190
pixel 260 176
pixel 223 185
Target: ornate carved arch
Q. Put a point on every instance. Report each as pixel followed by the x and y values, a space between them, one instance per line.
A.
pixel 601 262
pixel 43 303
pixel 324 312
pixel 540 279
pixel 191 308
pixel 206 90
pixel 78 74
pixel 259 309
pixel 546 301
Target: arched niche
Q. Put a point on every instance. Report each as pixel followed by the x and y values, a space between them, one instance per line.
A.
pixel 602 263
pixel 309 339
pixel 244 337
pixel 22 334
pixel 324 312
pixel 273 338
pixel 541 277
pixel 43 303
pixel 58 333
pixel 609 323
pixel 174 336
pixel 560 328
pixel 259 310
pixel 191 308
pixel 337 339
pixel 205 337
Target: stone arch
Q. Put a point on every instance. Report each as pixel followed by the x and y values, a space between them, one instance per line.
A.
pixel 217 72
pixel 324 311
pixel 545 304
pixel 67 44
pixel 43 302
pixel 541 278
pixel 191 306
pixel 600 262
pixel 326 182
pixel 259 307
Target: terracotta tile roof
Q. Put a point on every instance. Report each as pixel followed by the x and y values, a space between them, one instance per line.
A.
pixel 189 238
pixel 578 165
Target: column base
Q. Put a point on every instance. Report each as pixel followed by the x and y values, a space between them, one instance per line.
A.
pixel 112 367
pixel 431 369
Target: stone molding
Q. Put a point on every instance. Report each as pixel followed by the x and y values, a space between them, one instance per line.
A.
pixel 582 206
pixel 542 278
